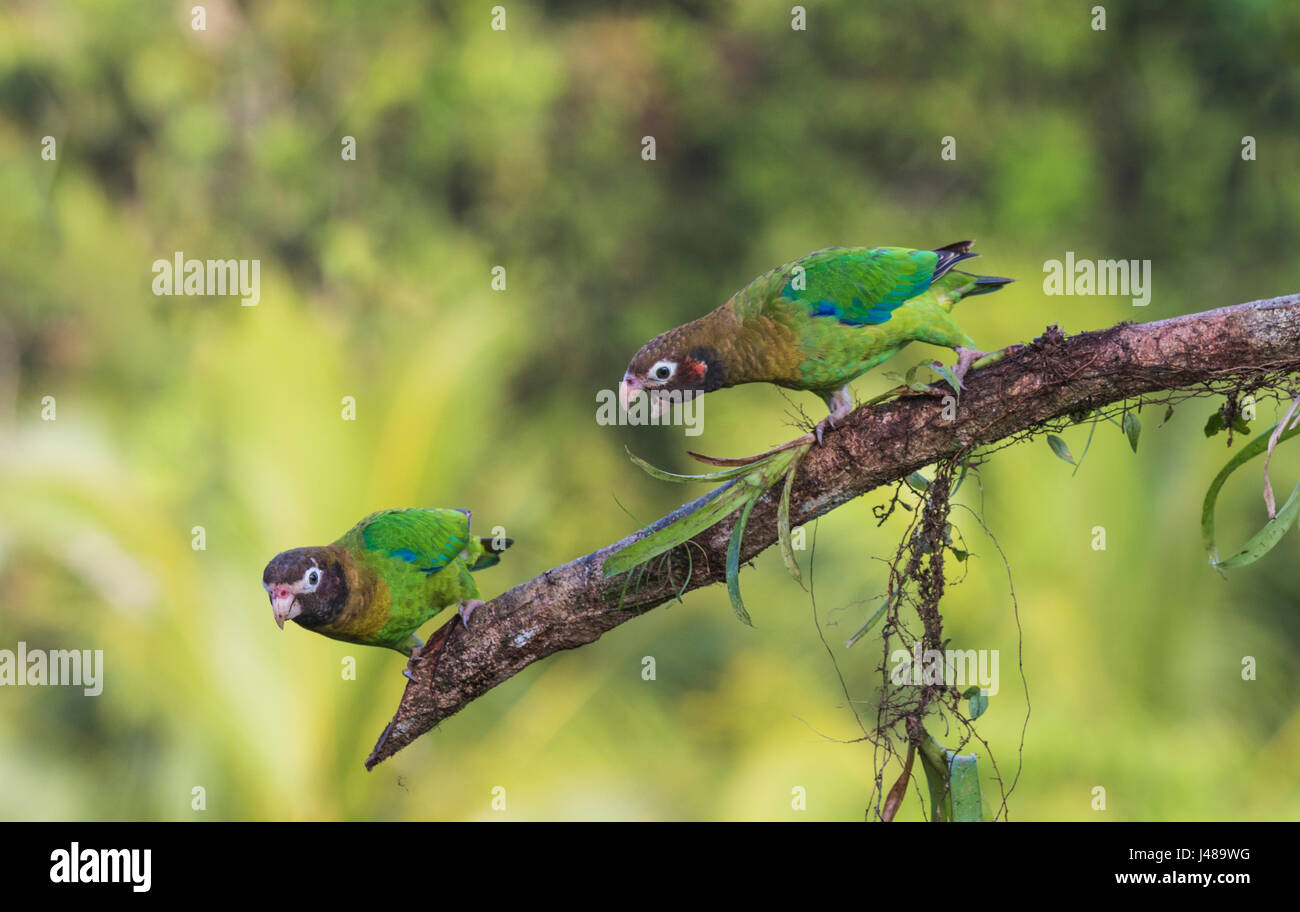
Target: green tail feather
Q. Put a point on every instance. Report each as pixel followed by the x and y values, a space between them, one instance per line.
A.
pixel 986 284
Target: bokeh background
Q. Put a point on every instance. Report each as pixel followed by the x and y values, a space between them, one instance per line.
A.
pixel 522 148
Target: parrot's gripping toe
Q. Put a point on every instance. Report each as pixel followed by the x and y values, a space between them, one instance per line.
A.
pixel 468 608
pixel 840 404
pixel 965 358
pixel 820 429
pixel 413 655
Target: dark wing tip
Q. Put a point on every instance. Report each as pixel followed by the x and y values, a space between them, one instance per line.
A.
pixel 951 255
pixel 956 247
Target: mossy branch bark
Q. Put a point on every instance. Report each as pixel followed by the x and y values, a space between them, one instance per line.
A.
pixel 572 605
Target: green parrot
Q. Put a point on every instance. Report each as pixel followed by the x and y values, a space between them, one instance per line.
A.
pixel 384 578
pixel 816 324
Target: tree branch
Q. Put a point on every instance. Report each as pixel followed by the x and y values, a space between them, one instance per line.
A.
pixel 572 605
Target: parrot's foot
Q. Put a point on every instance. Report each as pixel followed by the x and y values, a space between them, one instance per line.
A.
pixel 412 656
pixel 968 358
pixel 965 358
pixel 840 404
pixel 468 608
pixel 828 422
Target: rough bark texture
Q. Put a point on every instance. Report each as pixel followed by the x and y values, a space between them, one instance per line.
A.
pixel 572 605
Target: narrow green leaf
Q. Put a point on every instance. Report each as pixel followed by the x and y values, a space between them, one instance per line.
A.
pixel 911 371
pixel 965 469
pixel 948 375
pixel 783 519
pixel 964 775
pixel 917 482
pixel 1087 445
pixel 1132 429
pixel 953 781
pixel 1169 413
pixel 978 704
pixel 954 784
pixel 730 498
pixel 1059 448
pixel 1266 538
pixel 705 477
pixel 934 761
pixel 866 628
pixel 741 481
pixel 733 562
pixel 910 381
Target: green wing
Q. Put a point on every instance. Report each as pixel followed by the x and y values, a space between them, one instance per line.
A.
pixel 859 286
pixel 429 539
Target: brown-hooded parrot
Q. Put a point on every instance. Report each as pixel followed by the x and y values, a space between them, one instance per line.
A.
pixel 384 578
pixel 815 324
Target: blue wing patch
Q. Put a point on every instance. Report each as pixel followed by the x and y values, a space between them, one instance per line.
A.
pixel 860 287
pixel 434 538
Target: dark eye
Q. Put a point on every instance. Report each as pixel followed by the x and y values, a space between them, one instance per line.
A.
pixel 663 370
pixel 313 577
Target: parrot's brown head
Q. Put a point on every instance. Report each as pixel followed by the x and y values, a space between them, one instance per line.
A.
pixel 676 362
pixel 306 585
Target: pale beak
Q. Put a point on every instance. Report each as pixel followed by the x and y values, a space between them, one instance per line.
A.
pixel 284 602
pixel 627 389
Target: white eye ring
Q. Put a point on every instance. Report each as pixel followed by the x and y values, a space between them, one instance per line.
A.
pixel 311 579
pixel 662 371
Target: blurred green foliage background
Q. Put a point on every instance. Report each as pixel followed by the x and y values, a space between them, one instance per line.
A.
pixel 521 148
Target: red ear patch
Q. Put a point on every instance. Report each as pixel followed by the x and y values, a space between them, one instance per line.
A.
pixel 694 370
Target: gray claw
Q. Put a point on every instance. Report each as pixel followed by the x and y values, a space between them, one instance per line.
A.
pixel 467 609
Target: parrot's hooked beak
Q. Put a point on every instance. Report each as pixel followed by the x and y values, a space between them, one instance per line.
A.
pixel 631 387
pixel 284 602
pixel 627 389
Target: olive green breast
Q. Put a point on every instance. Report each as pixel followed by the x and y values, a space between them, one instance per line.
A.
pixel 389 598
pixel 824 353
